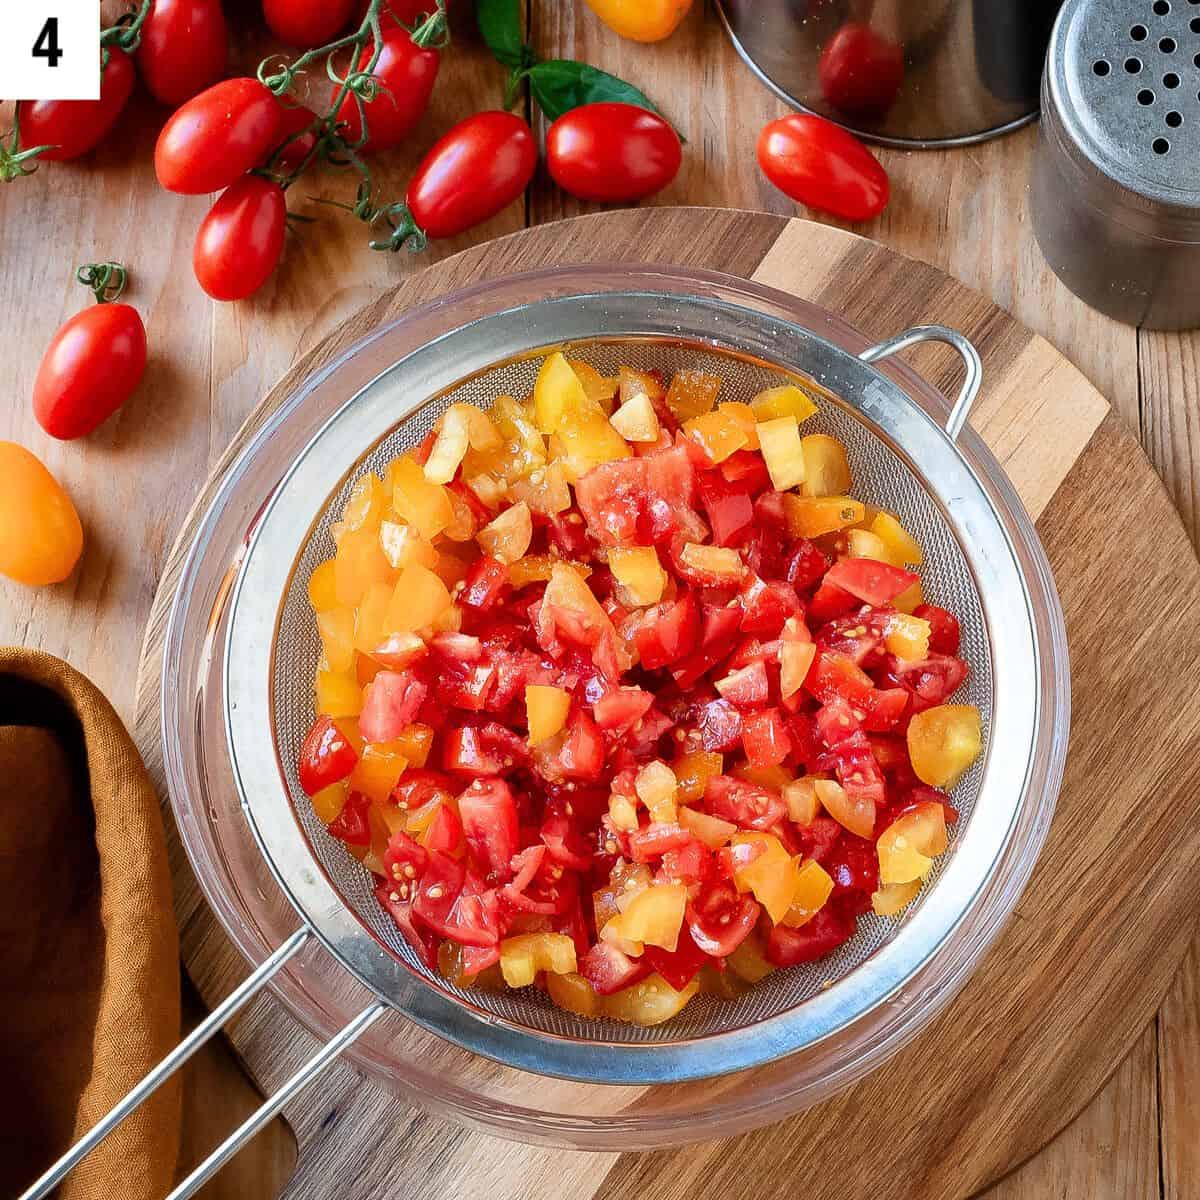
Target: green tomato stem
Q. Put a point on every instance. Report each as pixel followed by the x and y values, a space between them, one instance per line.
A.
pixel 106 281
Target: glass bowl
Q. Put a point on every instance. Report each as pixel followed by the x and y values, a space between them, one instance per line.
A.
pixel 404 1055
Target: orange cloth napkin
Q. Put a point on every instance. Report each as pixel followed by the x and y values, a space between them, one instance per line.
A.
pixel 89 954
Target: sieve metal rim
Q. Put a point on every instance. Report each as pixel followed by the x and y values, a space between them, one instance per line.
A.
pixel 693 1059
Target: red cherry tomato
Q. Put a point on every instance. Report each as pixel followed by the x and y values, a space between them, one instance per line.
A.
pixel 184 47
pixel 612 152
pixel 89 370
pixel 819 164
pixel 479 167
pixel 861 71
pixel 296 138
pixel 239 243
pixel 217 136
pixel 406 73
pixel 306 23
pixel 73 127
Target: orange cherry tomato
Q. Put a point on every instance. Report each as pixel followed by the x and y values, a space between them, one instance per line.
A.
pixel 641 20
pixel 41 538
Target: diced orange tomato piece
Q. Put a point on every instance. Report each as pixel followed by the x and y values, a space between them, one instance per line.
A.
pixel 329 802
pixel 370 623
pixel 360 562
pixel 748 961
pixel 894 897
pixel 904 547
pixel 862 543
pixel 402 545
pixel 795 662
pixel 573 993
pixel 650 1001
pixel 771 876
pixel 365 508
pixel 784 401
pixel 719 433
pixel 365 669
pixel 692 393
pixel 812 516
pixel 638 571
pixel 693 771
pixel 656 786
pixel 813 888
pixel 338 694
pixel 773 777
pixel 424 505
pixel 908 636
pixel 599 388
pixel 398 650
pixel 537 568
pixel 507 537
pixel 523 956
pixel 336 629
pixel 414 743
pixel 546 710
pixel 800 796
pixel 378 770
pixel 569 590
pixel 322 586
pixel 943 742
pixel 908 846
pixel 558 394
pixel 910 599
pixel 720 562
pixel 779 441
pixel 654 917
pixel 826 468
pixel 712 831
pixel 852 814
pixel 622 812
pixel 545 490
pixel 587 441
pixel 419 598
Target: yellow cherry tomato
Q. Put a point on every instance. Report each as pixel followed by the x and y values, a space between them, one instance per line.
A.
pixel 41 538
pixel 641 20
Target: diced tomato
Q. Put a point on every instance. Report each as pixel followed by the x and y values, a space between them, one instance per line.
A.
pixel 825 932
pixel 718 633
pixel 746 687
pixel 856 637
pixel 611 498
pixel 642 741
pixel 484 584
pixel 829 601
pixel 454 904
pixel 619 709
pixel 574 925
pixel 445 832
pixel 720 726
pixel 352 825
pixel 564 844
pixel 746 469
pixel 806 565
pixel 479 958
pixel 853 865
pixel 656 839
pixel 609 970
pixel 765 738
pixel 745 804
pixel 835 677
pixel 423 943
pixel 729 509
pixel 766 606
pixel 418 786
pixel 871 581
pixel 720 919
pixel 582 755
pixel 464 751
pixel 688 864
pixel 820 838
pixel 671 635
pixel 885 709
pixel 836 722
pixel 526 864
pixel 326 756
pixel 944 632
pixel 681 965
pixel 489 821
pixel 921 793
pixel 464 685
pixel 806 743
pixel 932 681
pixel 391 703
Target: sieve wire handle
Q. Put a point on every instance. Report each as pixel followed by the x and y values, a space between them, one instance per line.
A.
pixel 951 337
pixel 169 1065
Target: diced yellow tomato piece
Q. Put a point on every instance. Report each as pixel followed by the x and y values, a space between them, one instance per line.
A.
pixel 943 742
pixel 714 982
pixel 370 622
pixel 748 961
pixel 910 599
pixel 650 1001
pixel 463 521
pixel 402 544
pixel 348 727
pixel 538 568
pixel 587 441
pixel 424 505
pixel 693 771
pixel 908 846
pixel 857 817
pixel 378 770
pixel 359 563
pixel 523 956
pixel 718 433
pixel 655 916
pixel 894 897
pixel 573 993
pixel 636 420
pixel 524 446
pixel 365 508
pixel 329 802
pixel 622 812
pixel 862 543
pixel 795 662
pixel 322 586
pixel 785 401
pixel 904 547
pixel 507 537
pixel 813 887
pixel 558 392
pixel 908 636
pixel 419 598
pixel 336 627
pixel 462 427
pixel 779 441
pixel 656 786
pixel 638 571
pixel 692 393
pixel 545 490
pixel 812 516
pixel 546 710
pixel 826 468
pixel 771 876
pixel 721 562
pixel 414 743
pixel 773 777
pixel 712 831
pixel 800 796
pixel 338 694
pixel 744 415
pixel 599 388
pixel 630 382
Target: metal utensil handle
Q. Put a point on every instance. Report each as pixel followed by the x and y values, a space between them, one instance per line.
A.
pixel 305 1075
pixel 939 333
pixel 165 1069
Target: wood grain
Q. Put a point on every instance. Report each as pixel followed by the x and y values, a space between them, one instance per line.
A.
pixel 1024 1079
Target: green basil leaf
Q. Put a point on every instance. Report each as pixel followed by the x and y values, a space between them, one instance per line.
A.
pixel 560 84
pixel 500 23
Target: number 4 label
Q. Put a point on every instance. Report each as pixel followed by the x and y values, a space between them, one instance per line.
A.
pixel 51 50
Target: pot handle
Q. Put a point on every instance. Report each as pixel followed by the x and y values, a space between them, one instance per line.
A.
pixel 938 333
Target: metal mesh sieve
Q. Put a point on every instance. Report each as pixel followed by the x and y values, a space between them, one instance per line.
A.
pixel 881 477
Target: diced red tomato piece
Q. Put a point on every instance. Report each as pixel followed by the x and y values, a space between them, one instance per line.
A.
pixel 573 923
pixel 582 755
pixel 766 606
pixel 484 584
pixel 326 756
pixel 718 633
pixel 944 632
pixel 404 859
pixel 564 844
pixel 391 703
pixel 825 932
pixel 609 970
pixel 856 637
pixel 688 864
pixel 720 726
pixel 453 903
pixel 931 681
pixel 746 687
pixel 853 865
pixel 765 738
pixel 885 709
pixel 719 919
pixel 445 832
pixel 671 635
pixel 746 804
pixel 352 825
pixel 729 508
pixel 806 565
pixel 746 470
pixel 611 498
pixel 829 601
pixel 464 751
pixel 619 709
pixel 681 965
pixel 655 839
pixel 836 722
pixel 399 908
pixel 489 821
pixel 820 838
pixel 835 677
pixel 871 581
pixel 464 685
pixel 806 742
pixel 418 786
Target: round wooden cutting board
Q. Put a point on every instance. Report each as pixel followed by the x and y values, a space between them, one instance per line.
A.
pixel 1096 939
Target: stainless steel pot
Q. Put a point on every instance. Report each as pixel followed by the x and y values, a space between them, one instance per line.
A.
pixel 971 68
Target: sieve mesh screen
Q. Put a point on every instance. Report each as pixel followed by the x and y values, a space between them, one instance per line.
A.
pixel 881 477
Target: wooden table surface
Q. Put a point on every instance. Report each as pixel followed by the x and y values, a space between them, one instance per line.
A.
pixel 964 211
